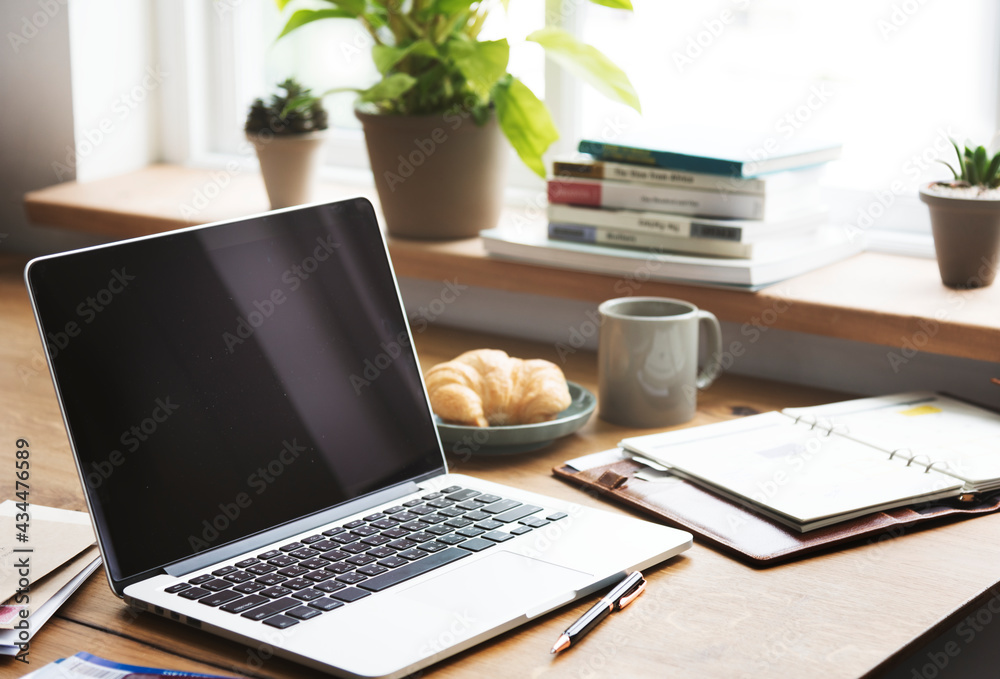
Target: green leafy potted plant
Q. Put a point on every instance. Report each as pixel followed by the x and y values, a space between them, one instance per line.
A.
pixel 433 121
pixel 288 132
pixel 965 219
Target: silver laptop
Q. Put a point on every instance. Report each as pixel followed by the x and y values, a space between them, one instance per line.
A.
pixel 250 426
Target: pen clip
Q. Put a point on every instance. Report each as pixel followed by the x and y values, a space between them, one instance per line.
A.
pixel 629 598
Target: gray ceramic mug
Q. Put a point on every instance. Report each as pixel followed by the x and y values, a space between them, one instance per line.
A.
pixel 648 360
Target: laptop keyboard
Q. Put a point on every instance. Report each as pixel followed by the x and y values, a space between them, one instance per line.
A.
pixel 301 580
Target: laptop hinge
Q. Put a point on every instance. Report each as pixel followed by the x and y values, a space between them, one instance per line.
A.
pixel 228 551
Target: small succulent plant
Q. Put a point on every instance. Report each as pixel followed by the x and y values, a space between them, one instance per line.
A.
pixel 295 112
pixel 977 168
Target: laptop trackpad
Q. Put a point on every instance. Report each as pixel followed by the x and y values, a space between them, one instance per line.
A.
pixel 461 604
pixel 503 584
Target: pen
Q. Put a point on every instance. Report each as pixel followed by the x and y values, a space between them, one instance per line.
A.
pixel 624 593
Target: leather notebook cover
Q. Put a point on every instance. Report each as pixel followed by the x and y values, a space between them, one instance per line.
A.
pixel 754 538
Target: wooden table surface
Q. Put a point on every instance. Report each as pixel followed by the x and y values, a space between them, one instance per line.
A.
pixel 841 614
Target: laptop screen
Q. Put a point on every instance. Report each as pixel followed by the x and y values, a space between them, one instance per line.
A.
pixel 218 382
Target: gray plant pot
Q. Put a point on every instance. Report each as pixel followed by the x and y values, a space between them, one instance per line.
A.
pixel 289 165
pixel 438 176
pixel 966 239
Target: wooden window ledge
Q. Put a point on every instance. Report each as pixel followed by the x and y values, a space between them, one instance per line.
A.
pixel 882 299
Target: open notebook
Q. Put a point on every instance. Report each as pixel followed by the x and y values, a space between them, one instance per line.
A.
pixel 813 467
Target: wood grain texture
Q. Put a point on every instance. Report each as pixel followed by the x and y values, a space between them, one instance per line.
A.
pixel 840 614
pixel 897 302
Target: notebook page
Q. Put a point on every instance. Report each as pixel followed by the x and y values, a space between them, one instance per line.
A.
pixel 800 473
pixel 961 439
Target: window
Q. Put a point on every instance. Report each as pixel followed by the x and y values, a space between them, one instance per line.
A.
pixel 891 79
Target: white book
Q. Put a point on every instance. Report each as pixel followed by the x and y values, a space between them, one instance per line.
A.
pixel 715 247
pixel 813 467
pixel 680 200
pixel 585 167
pixel 533 245
pixel 685 226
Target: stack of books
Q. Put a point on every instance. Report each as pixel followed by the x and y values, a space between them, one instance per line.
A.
pixel 676 198
pixel 713 207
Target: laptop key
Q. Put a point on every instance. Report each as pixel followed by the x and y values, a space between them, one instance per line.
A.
pixel 439 530
pixel 383 524
pixel 521 530
pixel 556 516
pixel 534 522
pixel 311 539
pixel 173 589
pixel 361 559
pixel 193 593
pixel 432 496
pixel 239 576
pixel 419 537
pixel 307 565
pixel 487 499
pixel 476 544
pixel 270 554
pixel 375 540
pixel 326 604
pixel 440 503
pixel 501 506
pixel 356 548
pixel 271 579
pixel 339 567
pixel 280 621
pixel 477 515
pixel 396 533
pixel 329 587
pixel 451 511
pixel 354 524
pixel 291 547
pixel 248 587
pixel 412 570
pixel 413 525
pixel 200 579
pixel 350 578
pixel 334 531
pixel 276 592
pixel 393 510
pixel 393 562
pixel 422 511
pixel 350 594
pixel 324 545
pixel 489 524
pixel 412 554
pixel 462 495
pixel 297 584
pixel 304 553
pixel 294 571
pixel 268 609
pixel 244 604
pixel 402 544
pixel 470 532
pixel 303 612
pixel 451 489
pixel 494 535
pixel 344 538
pixel 318 576
pixel 217 585
pixel 432 547
pixel 451 539
pixel 220 598
pixel 405 517
pixel 433 518
pixel 246 562
pixel 282 561
pixel 381 552
pixel 307 594
pixel 468 504
pixel 517 513
pixel 412 503
pixel 364 531
pixel 262 569
pixel 372 569
pixel 335 555
pixel 374 517
pixel 225 570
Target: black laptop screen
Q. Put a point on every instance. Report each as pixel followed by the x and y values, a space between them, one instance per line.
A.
pixel 221 381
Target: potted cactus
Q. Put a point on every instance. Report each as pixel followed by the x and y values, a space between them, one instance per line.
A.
pixel 965 219
pixel 434 120
pixel 288 133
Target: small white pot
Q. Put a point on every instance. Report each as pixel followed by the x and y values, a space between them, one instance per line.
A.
pixel 290 165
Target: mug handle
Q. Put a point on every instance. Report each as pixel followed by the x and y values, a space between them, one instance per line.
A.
pixel 713 366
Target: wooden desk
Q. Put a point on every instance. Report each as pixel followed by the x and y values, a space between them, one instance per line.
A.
pixel 841 614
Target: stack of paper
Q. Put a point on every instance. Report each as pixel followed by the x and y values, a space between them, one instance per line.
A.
pixel 41 572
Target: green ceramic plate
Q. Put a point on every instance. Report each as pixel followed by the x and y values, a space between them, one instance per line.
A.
pixel 518 438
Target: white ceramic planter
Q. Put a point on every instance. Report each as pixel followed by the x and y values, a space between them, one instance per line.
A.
pixel 290 166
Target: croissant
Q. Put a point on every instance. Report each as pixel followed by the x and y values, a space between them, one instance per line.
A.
pixel 487 387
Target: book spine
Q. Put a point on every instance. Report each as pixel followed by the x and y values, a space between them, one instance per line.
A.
pixel 647 241
pixel 645 174
pixel 655 198
pixel 664 159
